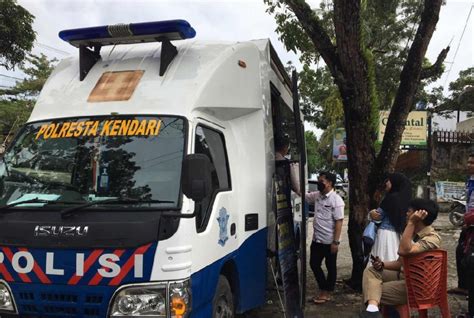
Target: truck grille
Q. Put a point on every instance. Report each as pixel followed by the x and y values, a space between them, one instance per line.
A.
pixel 44 301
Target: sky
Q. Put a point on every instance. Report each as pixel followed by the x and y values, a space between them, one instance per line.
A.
pixel 229 20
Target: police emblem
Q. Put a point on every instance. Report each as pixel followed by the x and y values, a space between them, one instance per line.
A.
pixel 223 220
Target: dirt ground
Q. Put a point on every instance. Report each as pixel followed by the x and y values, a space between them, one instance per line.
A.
pixel 345 302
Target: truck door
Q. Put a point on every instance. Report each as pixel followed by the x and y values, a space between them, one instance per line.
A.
pixel 291 248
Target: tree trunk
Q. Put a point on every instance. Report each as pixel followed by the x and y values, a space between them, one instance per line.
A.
pixel 357 109
pixel 360 162
pixel 409 82
pixel 347 63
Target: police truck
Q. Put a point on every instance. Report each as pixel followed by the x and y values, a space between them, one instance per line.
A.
pixel 143 183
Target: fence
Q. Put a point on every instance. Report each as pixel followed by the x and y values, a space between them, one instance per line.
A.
pixel 454 137
pixel 450 150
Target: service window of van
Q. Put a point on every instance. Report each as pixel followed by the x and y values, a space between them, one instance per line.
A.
pixel 284 122
pixel 211 143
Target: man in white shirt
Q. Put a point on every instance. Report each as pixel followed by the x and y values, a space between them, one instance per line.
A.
pixel 327 224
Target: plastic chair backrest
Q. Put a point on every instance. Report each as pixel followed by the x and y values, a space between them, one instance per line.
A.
pixel 426 278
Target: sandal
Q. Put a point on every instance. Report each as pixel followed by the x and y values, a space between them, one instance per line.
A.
pixel 321 300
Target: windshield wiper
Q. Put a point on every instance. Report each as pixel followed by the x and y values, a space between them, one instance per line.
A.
pixel 70 211
pixel 36 200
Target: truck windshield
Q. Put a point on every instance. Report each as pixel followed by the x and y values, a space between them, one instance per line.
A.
pixel 95 159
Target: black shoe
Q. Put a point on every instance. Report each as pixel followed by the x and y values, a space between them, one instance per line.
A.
pixel 353 285
pixel 458 291
pixel 369 314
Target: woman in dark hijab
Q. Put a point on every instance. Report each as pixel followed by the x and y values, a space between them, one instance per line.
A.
pixel 391 216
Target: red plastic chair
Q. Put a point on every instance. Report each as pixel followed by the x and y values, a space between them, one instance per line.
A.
pixel 426 276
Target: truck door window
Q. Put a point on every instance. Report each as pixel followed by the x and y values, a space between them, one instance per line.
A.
pixel 212 144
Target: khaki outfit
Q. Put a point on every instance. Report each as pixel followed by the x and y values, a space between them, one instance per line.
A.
pixel 388 287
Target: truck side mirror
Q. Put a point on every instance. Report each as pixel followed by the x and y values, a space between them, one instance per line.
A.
pixel 196 177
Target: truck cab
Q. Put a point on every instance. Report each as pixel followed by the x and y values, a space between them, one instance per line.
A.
pixel 141 184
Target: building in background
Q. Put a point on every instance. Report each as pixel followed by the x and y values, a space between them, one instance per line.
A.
pixel 466 125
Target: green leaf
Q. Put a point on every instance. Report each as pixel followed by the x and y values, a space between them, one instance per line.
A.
pixel 16 33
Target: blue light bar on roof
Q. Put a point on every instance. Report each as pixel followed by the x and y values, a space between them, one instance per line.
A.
pixel 129 33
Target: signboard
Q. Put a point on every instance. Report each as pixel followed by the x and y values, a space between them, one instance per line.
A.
pixel 339 148
pixel 415 132
pixel 94 128
pixel 445 190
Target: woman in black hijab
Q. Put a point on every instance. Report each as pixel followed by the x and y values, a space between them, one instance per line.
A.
pixel 391 216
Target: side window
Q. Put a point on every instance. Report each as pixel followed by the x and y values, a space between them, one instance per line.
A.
pixel 212 143
pixel 284 122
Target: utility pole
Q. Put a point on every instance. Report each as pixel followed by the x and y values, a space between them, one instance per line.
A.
pixel 429 150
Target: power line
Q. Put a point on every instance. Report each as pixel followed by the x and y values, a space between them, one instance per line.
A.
pixel 459 44
pixel 12 77
pixel 52 48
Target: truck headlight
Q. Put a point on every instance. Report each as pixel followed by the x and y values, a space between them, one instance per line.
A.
pixel 140 301
pixel 153 300
pixel 6 299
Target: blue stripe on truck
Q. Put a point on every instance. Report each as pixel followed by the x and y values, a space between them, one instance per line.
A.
pixel 248 268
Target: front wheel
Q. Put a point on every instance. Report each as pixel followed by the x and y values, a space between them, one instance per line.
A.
pixel 223 302
pixel 456 215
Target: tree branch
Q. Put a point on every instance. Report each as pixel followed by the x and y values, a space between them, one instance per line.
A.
pixel 318 35
pixel 409 81
pixel 437 68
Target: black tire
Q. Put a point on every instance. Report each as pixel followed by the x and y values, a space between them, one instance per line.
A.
pixel 456 215
pixel 223 301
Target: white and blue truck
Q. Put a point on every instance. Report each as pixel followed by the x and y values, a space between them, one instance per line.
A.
pixel 142 185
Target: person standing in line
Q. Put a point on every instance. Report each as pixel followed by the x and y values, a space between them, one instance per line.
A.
pixel 327 225
pixel 462 283
pixel 391 216
pixel 465 248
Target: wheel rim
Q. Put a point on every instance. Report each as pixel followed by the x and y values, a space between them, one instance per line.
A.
pixel 458 218
pixel 223 308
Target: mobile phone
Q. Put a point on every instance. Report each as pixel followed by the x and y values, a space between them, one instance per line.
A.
pixel 372 257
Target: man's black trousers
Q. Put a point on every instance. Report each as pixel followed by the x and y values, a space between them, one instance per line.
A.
pixel 320 252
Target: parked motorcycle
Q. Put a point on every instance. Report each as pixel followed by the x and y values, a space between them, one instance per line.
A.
pixel 457 211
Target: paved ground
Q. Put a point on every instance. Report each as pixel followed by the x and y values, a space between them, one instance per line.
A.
pixel 346 302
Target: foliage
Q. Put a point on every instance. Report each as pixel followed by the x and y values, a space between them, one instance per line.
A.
pixel 387 28
pixel 13 114
pixel 461 95
pixel 316 161
pixel 320 100
pixel 17 103
pixel 16 33
pixel 38 70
